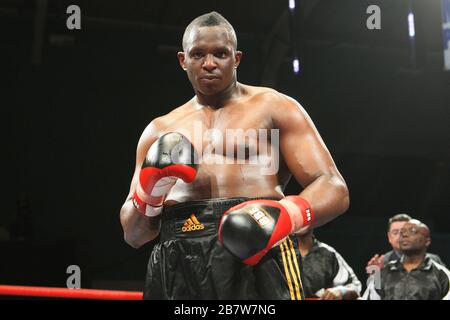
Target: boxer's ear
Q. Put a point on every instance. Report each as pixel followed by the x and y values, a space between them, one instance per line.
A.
pixel 182 59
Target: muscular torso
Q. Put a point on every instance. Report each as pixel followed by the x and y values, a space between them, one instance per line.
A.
pixel 225 172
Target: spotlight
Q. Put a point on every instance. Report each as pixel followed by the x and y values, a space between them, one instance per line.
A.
pixel 296 66
pixel 292 4
pixel 412 30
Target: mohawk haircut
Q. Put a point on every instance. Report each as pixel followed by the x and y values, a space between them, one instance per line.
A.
pixel 211 19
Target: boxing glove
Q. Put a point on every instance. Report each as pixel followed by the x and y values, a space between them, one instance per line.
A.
pixel 169 158
pixel 250 229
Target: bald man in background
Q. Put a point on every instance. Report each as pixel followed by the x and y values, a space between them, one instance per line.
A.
pixel 414 276
pixel 395 223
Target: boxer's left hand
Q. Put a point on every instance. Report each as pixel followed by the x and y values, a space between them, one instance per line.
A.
pixel 250 229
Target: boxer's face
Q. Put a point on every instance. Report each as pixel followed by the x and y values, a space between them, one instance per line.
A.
pixel 210 60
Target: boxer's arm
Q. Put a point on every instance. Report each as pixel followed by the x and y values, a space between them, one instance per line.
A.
pixel 310 162
pixel 139 229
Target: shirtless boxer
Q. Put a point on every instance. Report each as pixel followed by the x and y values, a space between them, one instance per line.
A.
pixel 225 225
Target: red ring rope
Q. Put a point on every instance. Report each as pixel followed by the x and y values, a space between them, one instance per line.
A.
pixel 69 293
pixel 47 292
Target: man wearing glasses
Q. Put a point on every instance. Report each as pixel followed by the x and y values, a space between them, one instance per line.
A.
pixel 395 224
pixel 415 276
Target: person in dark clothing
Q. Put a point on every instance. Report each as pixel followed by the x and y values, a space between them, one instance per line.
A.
pixel 326 274
pixel 414 276
pixel 395 224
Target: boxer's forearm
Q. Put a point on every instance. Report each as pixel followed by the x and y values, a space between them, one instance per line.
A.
pixel 138 229
pixel 328 196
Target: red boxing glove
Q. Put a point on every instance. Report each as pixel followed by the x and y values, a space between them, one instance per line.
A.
pixel 250 229
pixel 171 157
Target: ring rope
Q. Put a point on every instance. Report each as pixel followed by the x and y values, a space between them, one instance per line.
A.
pixel 49 292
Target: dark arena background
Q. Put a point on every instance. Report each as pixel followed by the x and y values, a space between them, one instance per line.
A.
pixel 75 102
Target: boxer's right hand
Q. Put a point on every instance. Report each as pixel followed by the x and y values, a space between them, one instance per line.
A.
pixel 169 158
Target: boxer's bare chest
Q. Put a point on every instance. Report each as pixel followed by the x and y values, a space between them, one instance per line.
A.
pixel 232 126
pixel 234 143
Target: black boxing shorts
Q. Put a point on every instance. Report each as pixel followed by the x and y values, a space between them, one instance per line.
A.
pixel 190 263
